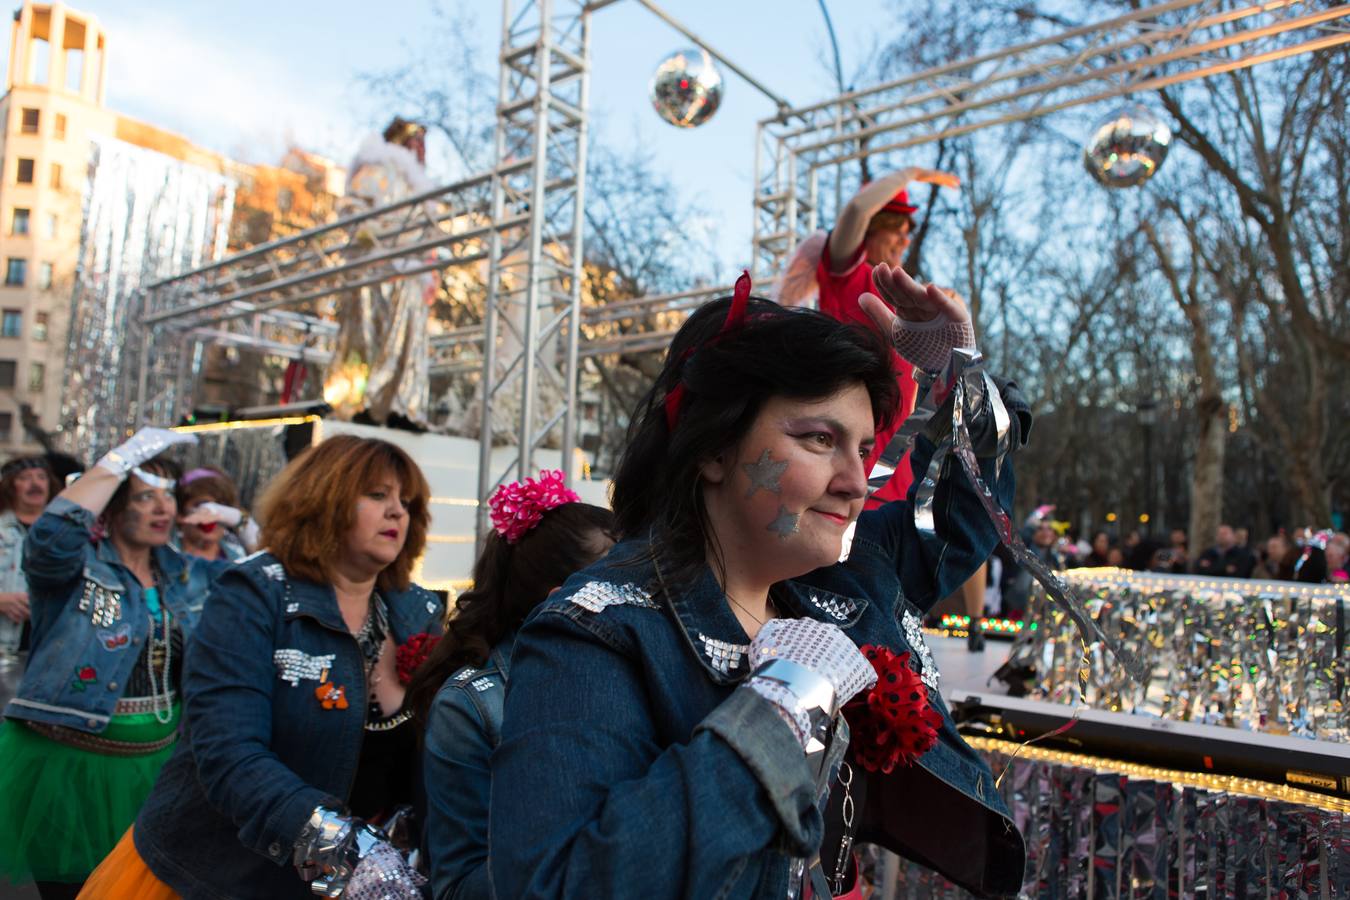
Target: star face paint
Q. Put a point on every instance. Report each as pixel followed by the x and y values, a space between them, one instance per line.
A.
pixel 764 474
pixel 785 523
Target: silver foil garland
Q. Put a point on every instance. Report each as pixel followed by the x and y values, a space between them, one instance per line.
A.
pixel 146 216
pixel 1257 655
pixel 1103 833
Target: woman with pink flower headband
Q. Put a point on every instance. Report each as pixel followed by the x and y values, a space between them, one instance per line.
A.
pixel 541 534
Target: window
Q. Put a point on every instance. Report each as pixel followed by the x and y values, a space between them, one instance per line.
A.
pixel 37 374
pixel 6 426
pixel 56 176
pixel 59 131
pixel 20 223
pixel 74 66
pixel 45 272
pixel 51 225
pixel 29 123
pixel 40 327
pixel 11 325
pixel 7 373
pixel 25 171
pixel 16 273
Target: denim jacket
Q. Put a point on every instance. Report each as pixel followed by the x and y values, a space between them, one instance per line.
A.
pixel 89 619
pixel 463 729
pixel 629 761
pixel 12 579
pixel 262 747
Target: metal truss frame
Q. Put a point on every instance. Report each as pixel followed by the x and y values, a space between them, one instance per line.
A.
pixel 268 298
pixel 799 154
pixel 524 218
pixel 531 325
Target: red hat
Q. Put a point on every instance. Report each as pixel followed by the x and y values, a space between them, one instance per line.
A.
pixel 900 204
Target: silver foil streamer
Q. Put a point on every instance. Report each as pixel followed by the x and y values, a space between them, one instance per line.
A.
pixel 146 216
pixel 1109 835
pixel 1263 656
pixel 972 392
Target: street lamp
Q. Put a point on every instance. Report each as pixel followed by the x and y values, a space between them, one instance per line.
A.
pixel 1148 415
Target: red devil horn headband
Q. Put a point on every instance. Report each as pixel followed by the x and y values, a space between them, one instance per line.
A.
pixel 740 301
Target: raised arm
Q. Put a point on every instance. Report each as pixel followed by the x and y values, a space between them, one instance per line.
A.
pixel 851 227
pixel 957 533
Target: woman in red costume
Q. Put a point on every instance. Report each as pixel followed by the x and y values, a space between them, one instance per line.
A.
pixel 873 227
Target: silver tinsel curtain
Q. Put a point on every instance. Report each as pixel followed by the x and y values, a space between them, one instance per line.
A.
pixel 146 216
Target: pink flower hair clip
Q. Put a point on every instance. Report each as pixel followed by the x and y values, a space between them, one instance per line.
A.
pixel 517 507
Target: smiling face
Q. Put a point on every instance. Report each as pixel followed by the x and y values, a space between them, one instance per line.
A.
pixel 780 502
pixel 888 244
pixel 379 526
pixel 147 519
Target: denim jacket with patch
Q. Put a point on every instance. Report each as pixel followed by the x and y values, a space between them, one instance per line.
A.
pixel 263 745
pixel 463 728
pixel 89 617
pixel 629 757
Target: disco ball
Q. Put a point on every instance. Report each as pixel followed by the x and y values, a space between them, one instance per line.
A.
pixel 686 89
pixel 1127 147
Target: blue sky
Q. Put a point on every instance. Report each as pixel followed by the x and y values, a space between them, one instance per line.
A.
pixel 247 76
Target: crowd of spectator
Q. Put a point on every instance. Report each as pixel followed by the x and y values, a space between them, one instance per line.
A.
pixel 1305 555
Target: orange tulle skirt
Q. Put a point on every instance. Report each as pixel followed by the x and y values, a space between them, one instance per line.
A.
pixel 123 875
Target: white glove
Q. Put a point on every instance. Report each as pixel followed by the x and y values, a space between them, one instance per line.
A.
pixel 141 447
pixel 383 874
pixel 928 321
pixel 250 535
pixel 824 670
pixel 214 513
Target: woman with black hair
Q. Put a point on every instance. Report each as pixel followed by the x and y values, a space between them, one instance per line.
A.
pixel 672 724
pixel 541 535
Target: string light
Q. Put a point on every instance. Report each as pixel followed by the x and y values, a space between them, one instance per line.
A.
pixel 244 423
pixel 953 625
pixel 1229 784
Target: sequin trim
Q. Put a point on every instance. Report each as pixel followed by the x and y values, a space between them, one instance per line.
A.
pixel 482 684
pixel 928 670
pixel 295 665
pixel 102 605
pixel 835 608
pixel 724 656
pixel 596 596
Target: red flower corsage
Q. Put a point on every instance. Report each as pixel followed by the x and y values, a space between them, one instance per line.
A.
pixel 892 724
pixel 412 653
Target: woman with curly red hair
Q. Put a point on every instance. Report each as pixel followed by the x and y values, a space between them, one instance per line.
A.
pixel 295 741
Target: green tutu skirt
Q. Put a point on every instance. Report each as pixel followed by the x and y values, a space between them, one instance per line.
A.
pixel 63 809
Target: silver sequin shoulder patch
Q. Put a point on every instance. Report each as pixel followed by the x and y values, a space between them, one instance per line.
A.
pixel 596 596
pixel 836 608
pixel 928 670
